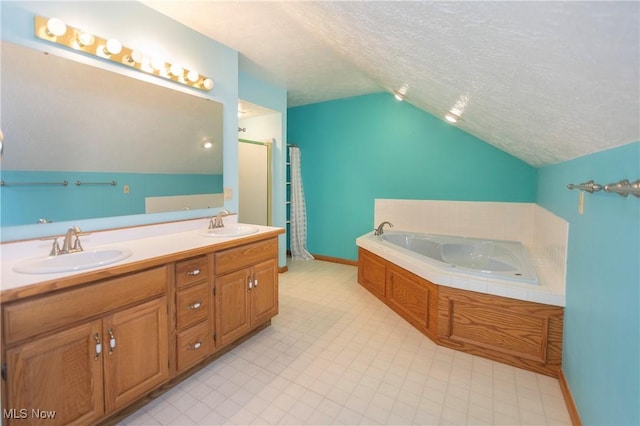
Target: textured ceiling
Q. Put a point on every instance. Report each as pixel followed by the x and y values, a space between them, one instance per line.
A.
pixel 544 81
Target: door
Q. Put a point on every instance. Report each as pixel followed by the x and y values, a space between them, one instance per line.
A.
pixel 136 352
pixel 254 187
pixel 232 292
pixel 60 374
pixel 264 294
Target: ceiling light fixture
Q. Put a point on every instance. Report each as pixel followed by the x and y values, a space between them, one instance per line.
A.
pixel 207 144
pixel 452 117
pixel 399 95
pixel 56 31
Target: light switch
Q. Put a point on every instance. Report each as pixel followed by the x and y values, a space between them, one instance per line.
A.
pixel 228 193
pixel 125 188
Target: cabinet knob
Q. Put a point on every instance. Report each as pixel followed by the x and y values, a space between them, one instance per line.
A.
pixel 194 272
pixel 195 346
pixel 196 305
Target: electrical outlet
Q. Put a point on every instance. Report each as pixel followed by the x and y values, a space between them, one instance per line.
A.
pixel 228 193
pixel 581 203
pixel 125 189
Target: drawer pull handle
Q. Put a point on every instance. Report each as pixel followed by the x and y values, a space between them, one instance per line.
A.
pixel 196 305
pixel 112 341
pixel 195 346
pixel 194 272
pixel 96 336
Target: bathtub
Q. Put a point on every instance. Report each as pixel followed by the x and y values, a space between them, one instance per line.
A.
pixel 494 259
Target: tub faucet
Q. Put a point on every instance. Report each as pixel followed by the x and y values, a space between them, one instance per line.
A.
pixel 216 221
pixel 380 229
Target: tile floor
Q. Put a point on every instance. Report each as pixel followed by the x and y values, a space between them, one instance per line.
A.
pixel 336 355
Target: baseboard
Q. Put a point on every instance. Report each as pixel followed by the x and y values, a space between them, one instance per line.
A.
pixel 282 269
pixel 335 260
pixel 568 400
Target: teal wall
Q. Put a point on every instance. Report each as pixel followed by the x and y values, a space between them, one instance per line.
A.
pixel 357 149
pixel 257 91
pixel 601 358
pixel 133 24
pixel 20 205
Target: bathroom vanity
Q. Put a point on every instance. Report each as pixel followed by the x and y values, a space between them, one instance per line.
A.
pixel 89 345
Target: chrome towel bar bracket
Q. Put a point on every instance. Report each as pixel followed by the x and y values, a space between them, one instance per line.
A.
pixel 622 188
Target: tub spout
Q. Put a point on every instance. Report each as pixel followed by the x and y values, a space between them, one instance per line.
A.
pixel 380 229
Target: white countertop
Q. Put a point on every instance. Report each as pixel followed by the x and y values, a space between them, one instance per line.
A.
pixel 549 290
pixel 144 242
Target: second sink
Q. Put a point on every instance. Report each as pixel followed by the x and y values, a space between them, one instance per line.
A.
pixel 231 231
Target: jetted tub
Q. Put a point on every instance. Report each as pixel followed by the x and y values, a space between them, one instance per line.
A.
pixel 505 260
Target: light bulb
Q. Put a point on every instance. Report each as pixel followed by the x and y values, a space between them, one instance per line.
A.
pixel 193 76
pixel 207 144
pixel 85 39
pixel 55 27
pixel 113 47
pixel 176 69
pixel 157 63
pixel 207 84
pixel 136 57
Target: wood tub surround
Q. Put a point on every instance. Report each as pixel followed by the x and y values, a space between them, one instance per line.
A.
pixel 99 344
pixel 524 334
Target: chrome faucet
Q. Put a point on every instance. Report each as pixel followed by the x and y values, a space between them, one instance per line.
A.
pixel 216 221
pixel 69 245
pixel 380 229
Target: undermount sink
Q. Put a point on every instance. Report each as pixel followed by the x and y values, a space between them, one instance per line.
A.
pixel 72 261
pixel 230 231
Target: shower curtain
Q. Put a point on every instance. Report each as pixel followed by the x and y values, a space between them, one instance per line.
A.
pixel 298 237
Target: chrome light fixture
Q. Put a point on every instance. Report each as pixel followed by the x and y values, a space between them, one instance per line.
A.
pixel 56 31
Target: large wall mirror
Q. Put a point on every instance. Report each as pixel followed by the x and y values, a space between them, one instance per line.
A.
pixel 123 146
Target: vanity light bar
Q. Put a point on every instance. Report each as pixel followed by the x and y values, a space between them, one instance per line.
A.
pixel 54 30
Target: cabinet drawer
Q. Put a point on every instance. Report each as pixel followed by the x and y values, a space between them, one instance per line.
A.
pixel 192 305
pixel 193 345
pixel 32 317
pixel 191 271
pixel 239 257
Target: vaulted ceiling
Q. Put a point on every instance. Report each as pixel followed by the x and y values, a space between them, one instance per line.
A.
pixel 544 81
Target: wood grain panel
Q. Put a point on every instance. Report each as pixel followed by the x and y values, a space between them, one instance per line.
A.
pixel 191 271
pixel 232 307
pixel 372 271
pixel 139 361
pixel 193 345
pixel 58 373
pixel 239 257
pixel 517 332
pixel 264 295
pixel 407 294
pixel 46 313
pixel 498 329
pixel 192 305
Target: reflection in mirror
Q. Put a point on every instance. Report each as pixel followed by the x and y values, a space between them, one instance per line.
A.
pixel 68 121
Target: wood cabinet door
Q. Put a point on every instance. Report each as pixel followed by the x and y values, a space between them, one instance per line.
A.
pixel 60 374
pixel 264 294
pixel 138 359
pixel 232 306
